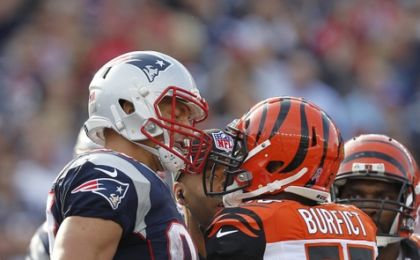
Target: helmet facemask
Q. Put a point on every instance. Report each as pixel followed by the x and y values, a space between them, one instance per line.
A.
pixel 175 150
pixel 229 160
pixel 401 206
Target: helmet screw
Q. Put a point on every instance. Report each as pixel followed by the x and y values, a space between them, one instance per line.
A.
pixel 150 128
pixel 241 177
pixel 119 125
pixel 144 91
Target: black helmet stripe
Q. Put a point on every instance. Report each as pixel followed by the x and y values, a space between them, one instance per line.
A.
pixel 304 142
pixel 403 152
pixel 375 154
pixel 326 134
pixel 284 110
pixel 262 121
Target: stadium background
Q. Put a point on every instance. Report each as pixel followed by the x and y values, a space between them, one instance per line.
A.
pixel 359 60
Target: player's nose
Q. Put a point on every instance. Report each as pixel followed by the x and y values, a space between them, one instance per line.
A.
pixel 184 119
pixel 370 207
pixel 371 212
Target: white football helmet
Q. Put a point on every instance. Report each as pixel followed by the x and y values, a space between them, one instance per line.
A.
pixel 144 78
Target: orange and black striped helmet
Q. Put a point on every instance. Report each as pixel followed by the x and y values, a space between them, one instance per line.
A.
pixel 290 145
pixel 377 158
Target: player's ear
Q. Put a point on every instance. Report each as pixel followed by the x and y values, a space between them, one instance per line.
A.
pixel 179 193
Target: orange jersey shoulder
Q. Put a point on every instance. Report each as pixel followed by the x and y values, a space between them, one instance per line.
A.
pixel 283 220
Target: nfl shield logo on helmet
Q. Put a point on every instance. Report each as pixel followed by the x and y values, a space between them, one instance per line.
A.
pixel 222 141
pixel 112 190
pixel 151 65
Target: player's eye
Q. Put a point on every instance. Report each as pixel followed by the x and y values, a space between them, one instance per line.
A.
pixel 386 197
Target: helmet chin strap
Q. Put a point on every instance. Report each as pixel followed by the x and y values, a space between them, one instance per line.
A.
pixel 233 199
pixel 169 161
pixel 309 193
pixel 383 241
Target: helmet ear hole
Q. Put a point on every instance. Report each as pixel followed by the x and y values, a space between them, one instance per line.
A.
pixel 274 166
pixel 127 106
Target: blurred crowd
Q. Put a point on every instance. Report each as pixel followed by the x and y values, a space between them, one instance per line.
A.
pixel 359 60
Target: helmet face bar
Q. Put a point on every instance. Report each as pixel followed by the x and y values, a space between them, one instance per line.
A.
pixel 384 175
pixel 286 142
pixel 226 154
pixel 146 79
pixel 182 148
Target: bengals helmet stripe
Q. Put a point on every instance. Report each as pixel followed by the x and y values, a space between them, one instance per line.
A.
pixel 302 150
pixel 375 154
pixel 284 110
pixel 326 127
pixel 262 122
pixel 403 152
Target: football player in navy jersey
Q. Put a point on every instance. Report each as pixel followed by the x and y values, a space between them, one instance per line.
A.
pixel 39 246
pixel 110 203
pixel 199 209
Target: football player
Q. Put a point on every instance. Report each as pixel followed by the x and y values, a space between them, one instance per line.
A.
pixel 198 208
pixel 277 202
pixel 110 203
pixel 380 176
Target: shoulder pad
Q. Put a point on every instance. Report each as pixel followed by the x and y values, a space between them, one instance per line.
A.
pixel 111 160
pixel 241 218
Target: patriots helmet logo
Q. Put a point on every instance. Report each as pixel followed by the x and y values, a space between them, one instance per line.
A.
pixel 222 141
pixel 151 65
pixel 112 190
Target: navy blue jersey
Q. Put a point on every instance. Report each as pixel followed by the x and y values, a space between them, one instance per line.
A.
pixel 108 185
